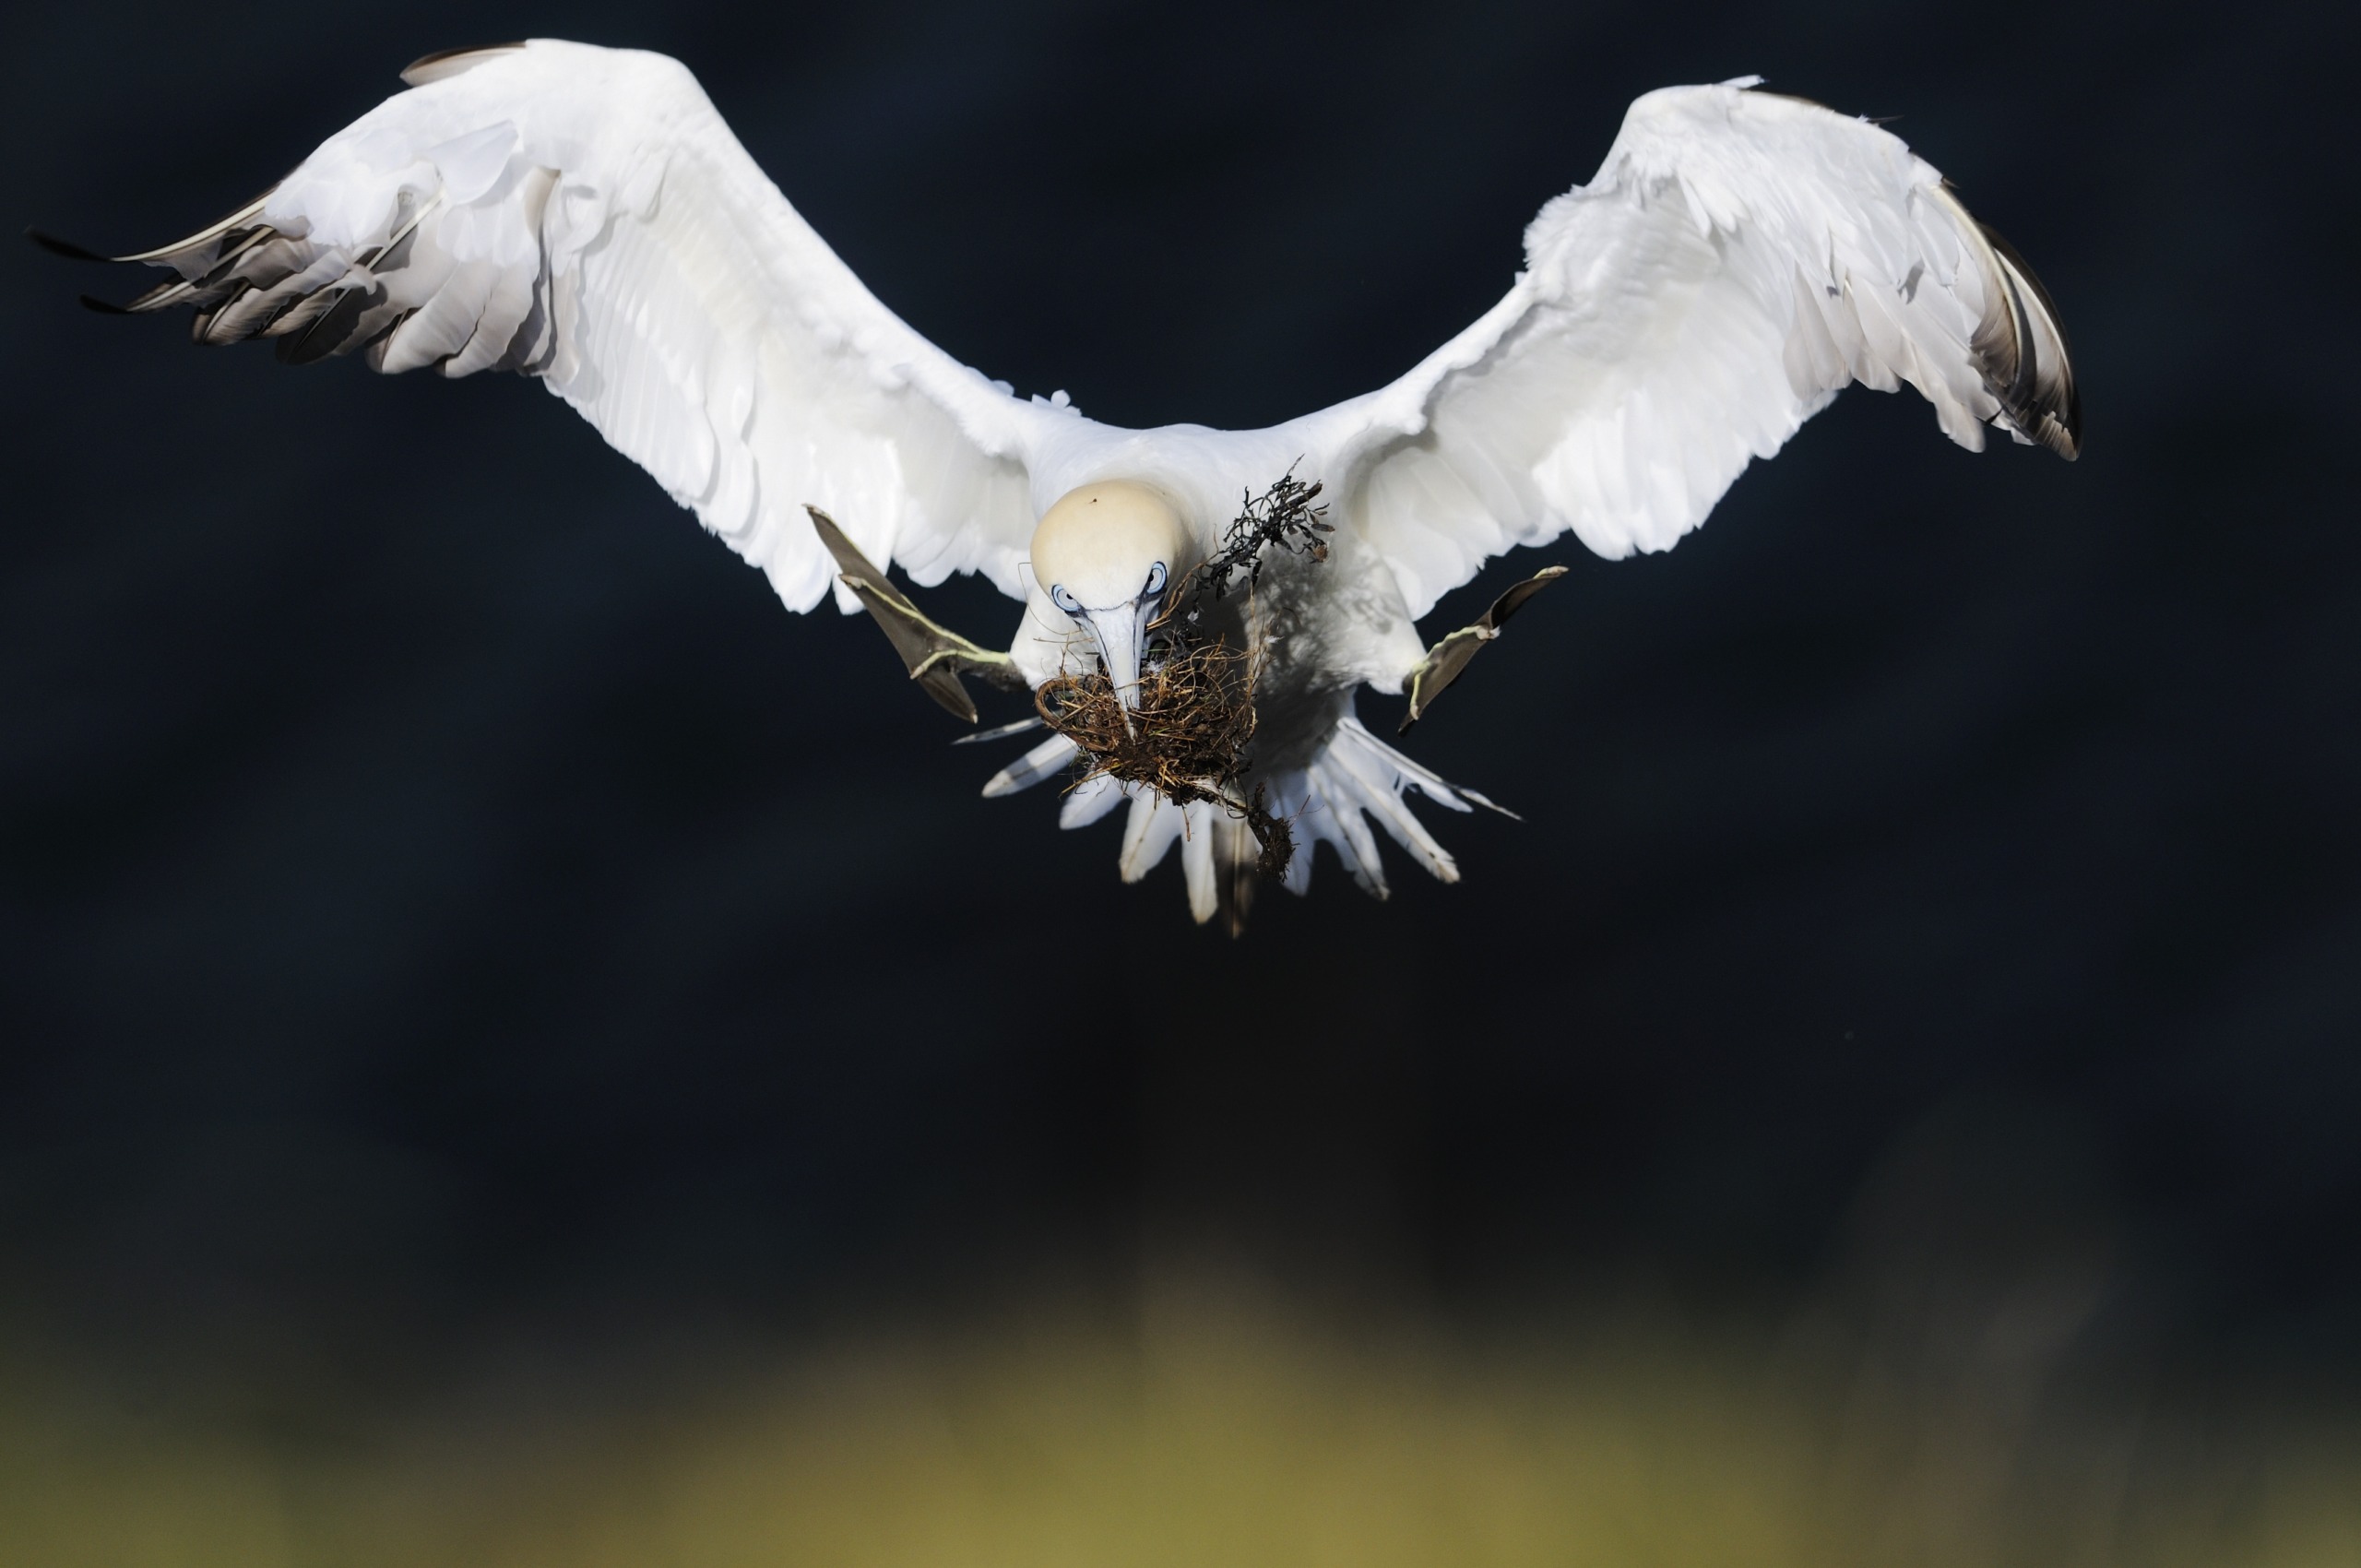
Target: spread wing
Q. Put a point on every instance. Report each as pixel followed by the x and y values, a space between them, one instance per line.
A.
pixel 1740 258
pixel 584 215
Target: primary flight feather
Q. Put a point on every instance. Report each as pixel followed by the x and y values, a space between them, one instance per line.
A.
pixel 583 215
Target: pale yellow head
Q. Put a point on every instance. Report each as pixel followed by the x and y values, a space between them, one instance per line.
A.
pixel 1103 555
pixel 1098 545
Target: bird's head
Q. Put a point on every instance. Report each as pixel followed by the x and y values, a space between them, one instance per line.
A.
pixel 1106 554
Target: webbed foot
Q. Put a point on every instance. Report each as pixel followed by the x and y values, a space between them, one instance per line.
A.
pixel 936 656
pixel 1448 658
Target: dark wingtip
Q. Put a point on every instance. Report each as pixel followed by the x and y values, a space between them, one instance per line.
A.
pixel 2062 418
pixel 66 248
pixel 104 307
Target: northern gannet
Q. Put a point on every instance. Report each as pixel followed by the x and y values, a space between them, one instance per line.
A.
pixel 583 216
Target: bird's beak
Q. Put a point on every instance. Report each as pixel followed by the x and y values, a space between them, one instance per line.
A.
pixel 1119 629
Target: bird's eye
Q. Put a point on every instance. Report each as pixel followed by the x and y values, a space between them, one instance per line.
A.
pixel 1154 580
pixel 1064 601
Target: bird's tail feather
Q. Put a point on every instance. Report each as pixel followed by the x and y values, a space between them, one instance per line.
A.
pixel 1352 777
pixel 1330 799
pixel 1356 777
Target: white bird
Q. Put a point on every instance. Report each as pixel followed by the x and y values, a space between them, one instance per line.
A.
pixel 583 215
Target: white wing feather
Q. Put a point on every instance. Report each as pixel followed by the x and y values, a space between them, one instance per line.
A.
pixel 1740 258
pixel 585 215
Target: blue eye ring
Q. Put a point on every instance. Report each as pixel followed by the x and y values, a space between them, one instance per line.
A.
pixel 1064 601
pixel 1154 580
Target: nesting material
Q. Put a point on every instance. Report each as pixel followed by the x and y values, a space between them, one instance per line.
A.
pixel 1277 839
pixel 1186 740
pixel 1282 517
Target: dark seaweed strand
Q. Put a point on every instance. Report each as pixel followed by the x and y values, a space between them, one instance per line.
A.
pixel 1284 516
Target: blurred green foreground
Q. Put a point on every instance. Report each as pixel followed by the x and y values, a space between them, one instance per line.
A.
pixel 1217 1429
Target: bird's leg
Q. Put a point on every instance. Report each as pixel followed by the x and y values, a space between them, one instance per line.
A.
pixel 936 656
pixel 1448 658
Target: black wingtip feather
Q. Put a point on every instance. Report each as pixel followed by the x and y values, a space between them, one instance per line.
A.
pixel 327 332
pixel 2063 402
pixel 2020 347
pixel 66 248
pixel 103 307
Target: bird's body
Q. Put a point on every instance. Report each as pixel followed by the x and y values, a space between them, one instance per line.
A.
pixel 583 216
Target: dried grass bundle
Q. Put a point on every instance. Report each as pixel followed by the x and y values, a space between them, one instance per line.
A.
pixel 1186 740
pixel 1188 737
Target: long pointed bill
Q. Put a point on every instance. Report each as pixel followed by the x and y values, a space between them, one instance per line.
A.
pixel 1117 629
